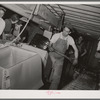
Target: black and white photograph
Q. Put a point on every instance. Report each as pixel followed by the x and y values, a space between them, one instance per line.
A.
pixel 45 46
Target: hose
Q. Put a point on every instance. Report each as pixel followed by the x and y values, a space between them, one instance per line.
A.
pixel 63 55
pixel 56 51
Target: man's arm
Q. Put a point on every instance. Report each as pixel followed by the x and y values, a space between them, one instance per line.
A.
pixel 2 26
pixel 53 40
pixel 75 51
pixel 51 43
pixel 75 54
pixel 72 43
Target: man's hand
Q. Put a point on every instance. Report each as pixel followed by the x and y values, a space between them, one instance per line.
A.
pixel 51 49
pixel 75 61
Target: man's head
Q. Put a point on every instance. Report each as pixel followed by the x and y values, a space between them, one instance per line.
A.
pixel 66 32
pixel 14 18
pixel 80 39
pixel 2 12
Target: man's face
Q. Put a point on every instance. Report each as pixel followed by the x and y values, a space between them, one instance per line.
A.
pixel 1 13
pixel 65 32
pixel 80 39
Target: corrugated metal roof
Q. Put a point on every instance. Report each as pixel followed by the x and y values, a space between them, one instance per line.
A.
pixel 83 17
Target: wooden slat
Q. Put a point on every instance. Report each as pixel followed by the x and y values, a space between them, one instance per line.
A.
pixel 86 21
pixel 83 24
pixel 84 8
pixel 82 15
pixel 89 26
pixel 91 33
pixel 85 28
pixel 83 18
pixel 87 31
pixel 80 11
pixel 93 5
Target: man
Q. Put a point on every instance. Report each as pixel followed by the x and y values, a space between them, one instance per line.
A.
pixel 2 22
pixel 8 27
pixel 17 30
pixel 60 42
pixel 97 54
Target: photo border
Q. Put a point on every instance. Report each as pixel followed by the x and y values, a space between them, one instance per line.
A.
pixel 51 94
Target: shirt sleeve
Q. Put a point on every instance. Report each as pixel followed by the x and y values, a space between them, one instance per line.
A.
pixel 54 38
pixel 71 41
pixel 98 47
pixel 2 26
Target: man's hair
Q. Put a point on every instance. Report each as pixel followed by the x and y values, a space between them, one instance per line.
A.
pixel 66 27
pixel 14 17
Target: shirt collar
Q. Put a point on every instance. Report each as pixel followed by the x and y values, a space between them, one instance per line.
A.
pixel 62 37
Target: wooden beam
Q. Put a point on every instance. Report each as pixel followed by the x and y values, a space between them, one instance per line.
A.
pixel 65 8
pixel 86 28
pixel 84 8
pixel 82 23
pixel 85 16
pixel 92 35
pixel 81 20
pixel 87 31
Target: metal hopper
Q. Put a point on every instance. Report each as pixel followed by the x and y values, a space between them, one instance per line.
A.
pixel 20 69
